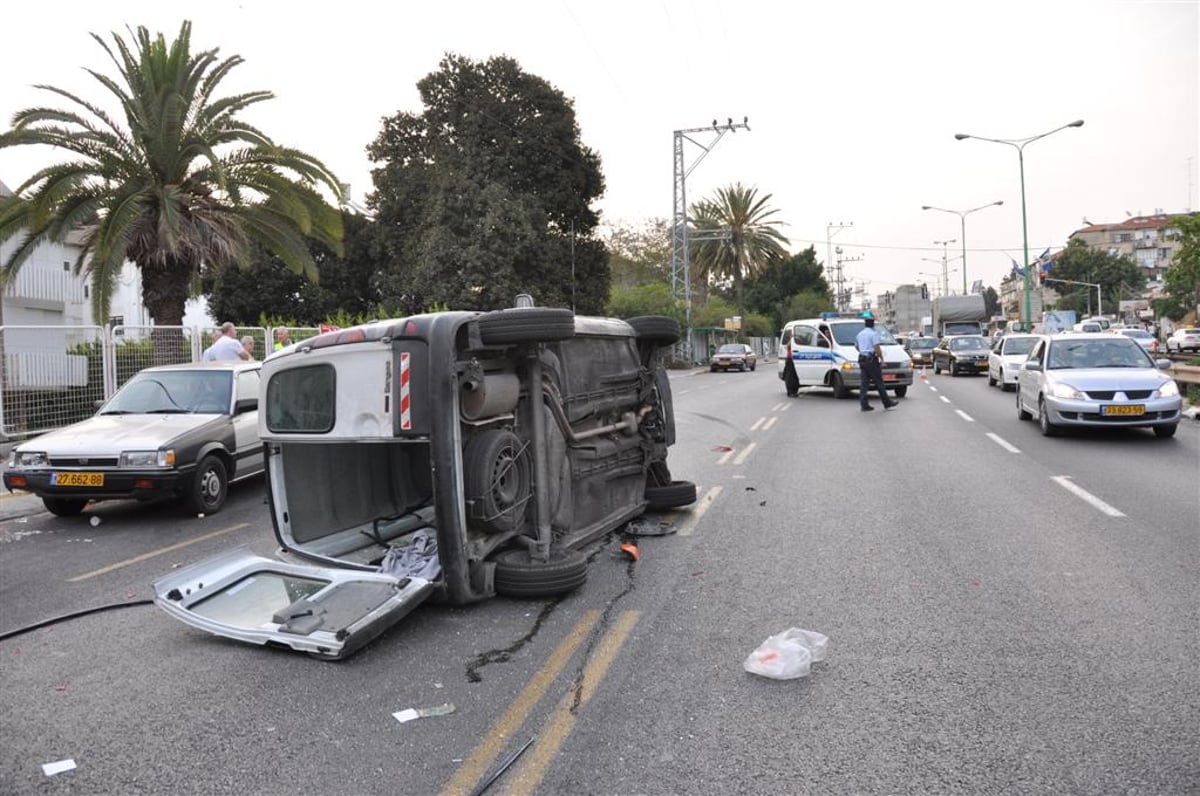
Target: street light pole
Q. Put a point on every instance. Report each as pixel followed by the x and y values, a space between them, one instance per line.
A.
pixel 1019 144
pixel 945 265
pixel 962 217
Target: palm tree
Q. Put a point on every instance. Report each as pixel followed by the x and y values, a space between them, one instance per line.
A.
pixel 175 182
pixel 735 238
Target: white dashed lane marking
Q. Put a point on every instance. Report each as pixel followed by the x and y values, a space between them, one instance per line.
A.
pixel 1066 483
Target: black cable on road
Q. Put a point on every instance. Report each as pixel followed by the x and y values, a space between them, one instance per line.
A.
pixel 66 617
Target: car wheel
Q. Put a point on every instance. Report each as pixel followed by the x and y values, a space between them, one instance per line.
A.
pixel 953 370
pixel 936 368
pixel 517 575
pixel 657 329
pixel 902 391
pixel 712 369
pixel 991 379
pixel 526 325
pixel 496 479
pixel 64 507
pixel 671 496
pixel 752 367
pixel 209 488
pixel 1021 413
pixel 1165 432
pixel 1048 428
pixel 839 387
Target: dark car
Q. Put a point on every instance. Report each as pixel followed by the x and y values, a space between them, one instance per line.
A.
pixel 920 350
pixel 181 431
pixel 452 455
pixel 965 353
pixel 733 356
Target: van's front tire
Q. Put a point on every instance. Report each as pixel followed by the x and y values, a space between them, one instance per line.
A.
pixel 517 575
pixel 840 390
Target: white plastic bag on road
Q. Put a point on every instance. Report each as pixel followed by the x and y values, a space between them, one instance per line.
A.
pixel 787 655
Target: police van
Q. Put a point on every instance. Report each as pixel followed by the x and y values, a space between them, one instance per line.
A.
pixel 824 354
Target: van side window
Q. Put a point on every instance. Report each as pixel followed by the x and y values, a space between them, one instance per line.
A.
pixel 787 336
pixel 804 335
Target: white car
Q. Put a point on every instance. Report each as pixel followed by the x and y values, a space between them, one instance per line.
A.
pixel 1184 340
pixel 1005 358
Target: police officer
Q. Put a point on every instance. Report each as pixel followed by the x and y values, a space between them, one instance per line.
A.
pixel 870 365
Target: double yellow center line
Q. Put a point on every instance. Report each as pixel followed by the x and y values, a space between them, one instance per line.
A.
pixel 561 722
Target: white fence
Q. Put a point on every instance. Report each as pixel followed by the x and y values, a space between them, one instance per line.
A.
pixel 52 376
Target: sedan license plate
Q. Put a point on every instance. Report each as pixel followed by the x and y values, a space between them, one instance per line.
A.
pixel 1131 409
pixel 981 365
pixel 890 377
pixel 77 479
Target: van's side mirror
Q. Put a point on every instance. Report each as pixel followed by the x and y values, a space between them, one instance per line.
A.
pixel 1032 364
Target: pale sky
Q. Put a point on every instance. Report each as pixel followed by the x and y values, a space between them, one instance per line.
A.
pixel 852 106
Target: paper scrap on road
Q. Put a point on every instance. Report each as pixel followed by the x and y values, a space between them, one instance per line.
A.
pixel 412 714
pixel 50 769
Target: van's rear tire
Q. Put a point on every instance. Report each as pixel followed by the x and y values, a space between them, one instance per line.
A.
pixel 526 325
pixel 657 329
pixel 902 391
pixel 497 480
pixel 671 496
pixel 517 575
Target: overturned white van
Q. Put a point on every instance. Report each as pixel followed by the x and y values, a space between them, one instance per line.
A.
pixel 453 455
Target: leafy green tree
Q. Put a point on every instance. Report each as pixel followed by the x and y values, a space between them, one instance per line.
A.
pixel 735 237
pixel 487 193
pixel 639 254
pixel 807 304
pixel 1081 263
pixel 779 281
pixel 176 182
pixel 263 287
pixel 991 302
pixel 1182 280
pixel 653 298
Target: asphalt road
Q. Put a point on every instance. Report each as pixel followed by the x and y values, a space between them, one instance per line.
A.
pixel 1006 613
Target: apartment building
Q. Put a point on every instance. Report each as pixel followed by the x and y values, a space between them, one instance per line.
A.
pixel 1150 241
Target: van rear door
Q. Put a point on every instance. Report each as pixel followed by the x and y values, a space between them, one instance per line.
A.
pixel 324 611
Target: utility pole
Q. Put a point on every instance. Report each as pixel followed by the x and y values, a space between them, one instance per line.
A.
pixel 843 296
pixel 681 271
pixel 832 229
pixel 945 265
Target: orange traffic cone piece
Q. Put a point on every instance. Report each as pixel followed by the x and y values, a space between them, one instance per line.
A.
pixel 630 549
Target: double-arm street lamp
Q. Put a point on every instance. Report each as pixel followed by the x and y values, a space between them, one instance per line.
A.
pixel 1019 144
pixel 962 217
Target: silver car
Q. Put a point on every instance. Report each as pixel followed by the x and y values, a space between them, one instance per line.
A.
pixel 174 431
pixel 1097 380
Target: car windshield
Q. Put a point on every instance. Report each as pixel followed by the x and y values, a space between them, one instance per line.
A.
pixel 1116 353
pixel 731 348
pixel 922 344
pixel 1138 334
pixel 846 333
pixel 173 391
pixel 967 344
pixel 1019 345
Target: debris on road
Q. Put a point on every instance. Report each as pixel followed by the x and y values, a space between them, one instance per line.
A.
pixel 787 655
pixel 412 714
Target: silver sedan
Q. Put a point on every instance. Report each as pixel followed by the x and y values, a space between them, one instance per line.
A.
pixel 1097 380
